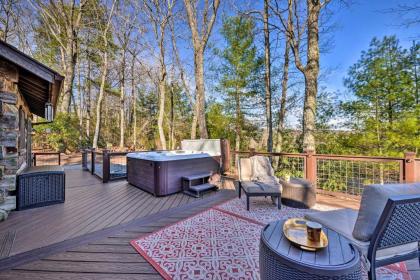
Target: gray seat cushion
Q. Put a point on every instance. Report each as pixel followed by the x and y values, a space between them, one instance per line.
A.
pixel 256 172
pixel 373 202
pixel 258 187
pixel 341 221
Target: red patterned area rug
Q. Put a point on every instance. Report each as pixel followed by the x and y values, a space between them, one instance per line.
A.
pixel 210 245
pixel 223 243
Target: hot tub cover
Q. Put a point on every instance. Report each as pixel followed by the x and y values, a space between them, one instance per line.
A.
pixel 169 155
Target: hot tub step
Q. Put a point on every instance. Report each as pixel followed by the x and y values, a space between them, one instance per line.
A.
pixel 198 190
pixel 197 176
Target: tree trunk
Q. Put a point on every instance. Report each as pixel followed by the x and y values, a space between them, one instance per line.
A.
pixel 100 99
pixel 89 97
pixel 172 122
pixel 69 72
pixel 103 79
pixel 311 76
pixel 309 111
pixel 283 98
pixel 194 123
pixel 81 98
pixel 199 40
pixel 268 113
pixel 122 101
pixel 200 93
pixel 133 94
pixel 238 125
pixel 161 114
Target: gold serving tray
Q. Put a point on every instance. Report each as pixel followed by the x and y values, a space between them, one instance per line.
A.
pixel 295 231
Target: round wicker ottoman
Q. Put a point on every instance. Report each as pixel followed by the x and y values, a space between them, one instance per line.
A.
pixel 279 259
pixel 298 193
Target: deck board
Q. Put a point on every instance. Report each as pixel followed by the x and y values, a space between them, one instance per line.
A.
pixel 6 242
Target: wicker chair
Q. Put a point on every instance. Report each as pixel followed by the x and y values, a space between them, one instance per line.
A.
pixel 39 186
pixel 386 229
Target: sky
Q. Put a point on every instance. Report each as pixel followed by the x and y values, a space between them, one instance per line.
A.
pixel 357 25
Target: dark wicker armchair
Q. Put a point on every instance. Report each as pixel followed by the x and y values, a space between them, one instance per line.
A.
pixel 386 229
pixel 398 227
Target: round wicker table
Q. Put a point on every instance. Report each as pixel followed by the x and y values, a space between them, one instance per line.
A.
pixel 279 259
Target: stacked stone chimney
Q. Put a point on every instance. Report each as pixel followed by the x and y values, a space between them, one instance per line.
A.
pixel 13 155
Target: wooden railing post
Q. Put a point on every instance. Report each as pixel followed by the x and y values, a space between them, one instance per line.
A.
pixel 225 151
pixel 34 155
pixel 59 158
pixel 106 165
pixel 251 152
pixel 409 167
pixel 93 159
pixel 310 166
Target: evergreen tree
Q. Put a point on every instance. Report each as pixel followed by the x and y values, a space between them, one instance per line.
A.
pixel 384 113
pixel 241 68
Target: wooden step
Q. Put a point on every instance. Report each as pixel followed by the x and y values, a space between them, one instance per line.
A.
pixel 196 176
pixel 198 190
pixel 202 187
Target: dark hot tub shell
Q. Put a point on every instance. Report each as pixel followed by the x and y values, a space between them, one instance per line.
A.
pixel 162 178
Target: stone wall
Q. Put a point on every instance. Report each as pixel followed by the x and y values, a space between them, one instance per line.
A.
pixel 13 151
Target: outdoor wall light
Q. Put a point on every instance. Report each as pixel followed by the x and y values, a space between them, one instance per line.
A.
pixel 49 112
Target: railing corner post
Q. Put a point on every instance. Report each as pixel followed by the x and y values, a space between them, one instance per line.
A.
pixel 93 161
pixel 409 167
pixel 251 152
pixel 310 166
pixel 84 159
pixel 106 165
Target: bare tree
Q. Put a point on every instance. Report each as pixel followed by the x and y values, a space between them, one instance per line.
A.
pixel 134 53
pixel 310 70
pixel 8 18
pixel 88 85
pixel 408 14
pixel 104 73
pixel 159 14
pixel 125 24
pixel 183 78
pixel 267 60
pixel 63 20
pixel 200 34
pixel 285 77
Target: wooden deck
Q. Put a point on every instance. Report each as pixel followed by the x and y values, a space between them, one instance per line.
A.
pixel 88 236
pixel 101 251
pixel 90 206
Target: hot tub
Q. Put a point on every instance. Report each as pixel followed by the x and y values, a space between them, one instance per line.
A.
pixel 160 173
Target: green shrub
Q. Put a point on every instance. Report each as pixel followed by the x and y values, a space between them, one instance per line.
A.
pixel 62 135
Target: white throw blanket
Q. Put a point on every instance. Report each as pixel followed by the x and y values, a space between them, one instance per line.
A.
pixel 262 171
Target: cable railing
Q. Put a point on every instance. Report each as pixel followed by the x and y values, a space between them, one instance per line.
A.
pixel 344 174
pixel 46 158
pixel 341 173
pixel 105 164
